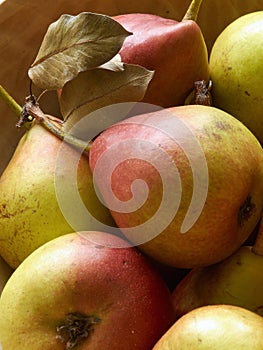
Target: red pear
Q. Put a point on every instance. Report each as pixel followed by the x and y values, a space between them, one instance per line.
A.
pixel 176 51
pixel 87 290
pixel 184 183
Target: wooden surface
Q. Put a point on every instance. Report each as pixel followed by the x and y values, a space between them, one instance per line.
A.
pixel 23 24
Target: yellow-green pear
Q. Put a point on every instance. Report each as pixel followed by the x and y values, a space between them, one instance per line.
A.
pixel 35 186
pixel 5 273
pixel 215 327
pixel 236 67
pixel 238 280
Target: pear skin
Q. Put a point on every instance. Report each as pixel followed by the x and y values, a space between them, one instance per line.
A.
pixel 237 280
pixel 30 214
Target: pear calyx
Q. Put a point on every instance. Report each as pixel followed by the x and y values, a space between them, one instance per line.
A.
pixel 201 94
pixel 245 211
pixel 75 329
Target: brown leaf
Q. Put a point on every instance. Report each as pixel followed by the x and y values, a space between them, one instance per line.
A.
pixel 115 64
pixel 74 44
pixel 97 88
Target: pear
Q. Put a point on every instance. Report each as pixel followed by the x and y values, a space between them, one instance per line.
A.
pixel 185 183
pixel 236 71
pixel 5 273
pixel 176 51
pixel 217 327
pixel 238 280
pixel 80 291
pixel 30 212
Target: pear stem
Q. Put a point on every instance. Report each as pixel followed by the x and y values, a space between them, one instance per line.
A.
pixel 16 108
pixel 52 125
pixel 258 245
pixel 48 122
pixel 193 10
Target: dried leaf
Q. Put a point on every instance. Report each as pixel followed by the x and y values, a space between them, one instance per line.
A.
pixel 74 44
pixel 115 64
pixel 98 88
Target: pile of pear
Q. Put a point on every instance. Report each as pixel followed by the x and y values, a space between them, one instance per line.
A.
pixel 223 267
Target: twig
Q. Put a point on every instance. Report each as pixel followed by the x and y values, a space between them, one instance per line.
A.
pixel 51 124
pixel 10 101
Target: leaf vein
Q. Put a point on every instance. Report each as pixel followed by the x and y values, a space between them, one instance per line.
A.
pixel 129 83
